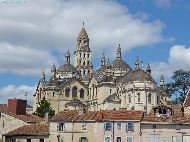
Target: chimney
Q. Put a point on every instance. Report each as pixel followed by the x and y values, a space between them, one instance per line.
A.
pixel 17 106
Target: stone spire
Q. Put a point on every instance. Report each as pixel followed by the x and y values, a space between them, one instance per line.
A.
pixel 103 60
pixel 137 64
pixel 53 71
pixel 43 75
pixel 82 54
pixel 148 69
pixel 161 81
pixel 67 57
pixel 119 52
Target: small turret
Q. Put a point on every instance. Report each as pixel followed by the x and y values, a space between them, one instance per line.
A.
pixel 53 71
pixel 161 81
pixel 119 52
pixel 137 64
pixel 148 69
pixel 42 75
pixel 67 57
pixel 103 60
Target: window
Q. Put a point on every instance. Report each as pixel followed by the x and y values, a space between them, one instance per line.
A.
pixel 28 140
pixel 84 72
pixel 139 97
pixel 154 126
pixel 88 55
pixel 129 98
pixel 108 126
pixel 0 114
pixel 61 126
pixel 177 127
pixel 82 93
pixel 118 139
pixel 83 139
pixel 110 91
pixel 80 54
pixel 74 92
pixel 130 127
pixel 84 63
pixel 149 98
pixel 53 94
pixel 119 127
pixel 107 139
pixel 41 140
pixel 83 127
pixel 84 55
pixel 67 91
pixel 129 139
pixel 13 140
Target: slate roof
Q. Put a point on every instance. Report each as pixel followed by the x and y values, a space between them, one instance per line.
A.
pixel 30 130
pixel 120 64
pixel 103 115
pixel 67 67
pixel 137 75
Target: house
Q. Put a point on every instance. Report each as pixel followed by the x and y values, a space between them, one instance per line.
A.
pixel 93 126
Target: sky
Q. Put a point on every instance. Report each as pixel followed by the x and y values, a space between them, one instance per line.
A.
pixel 34 34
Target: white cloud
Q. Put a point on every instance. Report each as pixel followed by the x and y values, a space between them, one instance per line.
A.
pixel 12 91
pixel 163 3
pixel 179 58
pixel 54 26
pixel 23 61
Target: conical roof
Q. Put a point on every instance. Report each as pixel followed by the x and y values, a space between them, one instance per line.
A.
pixel 83 33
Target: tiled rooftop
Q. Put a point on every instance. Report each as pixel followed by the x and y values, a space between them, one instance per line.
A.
pixel 26 118
pixel 30 130
pixel 103 115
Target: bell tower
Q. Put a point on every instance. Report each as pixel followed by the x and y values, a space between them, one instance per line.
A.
pixel 82 54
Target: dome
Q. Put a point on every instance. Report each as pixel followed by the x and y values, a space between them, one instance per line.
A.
pixel 137 75
pixel 120 64
pixel 67 67
pixel 83 34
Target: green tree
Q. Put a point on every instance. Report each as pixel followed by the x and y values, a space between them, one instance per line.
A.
pixel 179 86
pixel 43 108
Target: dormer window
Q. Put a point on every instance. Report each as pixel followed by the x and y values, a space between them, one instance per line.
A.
pixel 139 97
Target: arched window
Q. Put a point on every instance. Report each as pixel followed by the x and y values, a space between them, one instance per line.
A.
pixel 74 92
pixel 67 91
pixel 84 72
pixel 149 98
pixel 84 63
pixel 139 97
pixel 82 93
pixel 129 98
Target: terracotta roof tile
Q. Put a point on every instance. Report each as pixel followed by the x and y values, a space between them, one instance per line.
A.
pixel 29 118
pixel 103 115
pixel 30 130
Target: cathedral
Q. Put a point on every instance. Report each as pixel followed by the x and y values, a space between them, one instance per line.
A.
pixel 113 86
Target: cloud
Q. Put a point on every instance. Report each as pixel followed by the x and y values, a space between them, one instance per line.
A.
pixel 23 61
pixel 179 57
pixel 166 4
pixel 12 91
pixel 49 26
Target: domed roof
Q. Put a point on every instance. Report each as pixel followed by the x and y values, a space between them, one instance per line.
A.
pixel 120 64
pixel 67 67
pixel 83 33
pixel 137 75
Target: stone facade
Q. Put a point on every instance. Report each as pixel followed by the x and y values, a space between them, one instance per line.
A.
pixel 112 86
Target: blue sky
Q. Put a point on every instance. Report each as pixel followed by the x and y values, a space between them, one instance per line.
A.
pixel 34 34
